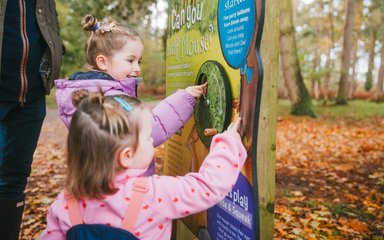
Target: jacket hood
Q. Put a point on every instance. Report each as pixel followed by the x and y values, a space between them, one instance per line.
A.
pixel 65 88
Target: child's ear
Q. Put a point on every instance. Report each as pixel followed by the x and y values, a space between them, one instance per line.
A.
pixel 101 62
pixel 126 157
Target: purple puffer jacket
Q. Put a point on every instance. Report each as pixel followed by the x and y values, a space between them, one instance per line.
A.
pixel 168 116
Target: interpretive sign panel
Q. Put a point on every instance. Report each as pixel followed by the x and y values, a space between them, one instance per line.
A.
pixel 217 42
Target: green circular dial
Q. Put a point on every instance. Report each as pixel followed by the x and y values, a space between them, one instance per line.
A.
pixel 213 110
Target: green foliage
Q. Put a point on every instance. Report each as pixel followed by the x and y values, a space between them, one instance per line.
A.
pixel 153 64
pixel 314 36
pixel 286 193
pixel 375 17
pixel 73 38
pixel 134 13
pixel 51 100
pixel 311 203
pixel 317 74
pixel 345 210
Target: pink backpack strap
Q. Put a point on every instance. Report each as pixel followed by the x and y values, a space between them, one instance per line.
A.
pixel 73 209
pixel 140 188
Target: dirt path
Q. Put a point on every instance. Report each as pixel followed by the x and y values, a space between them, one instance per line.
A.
pixel 54 130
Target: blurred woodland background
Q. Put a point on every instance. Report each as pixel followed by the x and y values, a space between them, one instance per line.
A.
pixel 331 51
pixel 143 15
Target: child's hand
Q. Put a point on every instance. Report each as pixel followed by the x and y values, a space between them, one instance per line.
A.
pixel 233 129
pixel 198 90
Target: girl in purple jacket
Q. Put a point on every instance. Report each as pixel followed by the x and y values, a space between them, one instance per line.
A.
pixel 103 183
pixel 113 54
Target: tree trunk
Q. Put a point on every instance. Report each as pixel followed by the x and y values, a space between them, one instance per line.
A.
pixel 315 82
pixel 346 55
pixel 355 45
pixel 379 97
pixel 328 64
pixel 327 78
pixel 371 60
pixel 298 93
pixel 353 83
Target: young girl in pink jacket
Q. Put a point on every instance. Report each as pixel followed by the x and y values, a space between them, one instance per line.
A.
pixel 113 54
pixel 110 147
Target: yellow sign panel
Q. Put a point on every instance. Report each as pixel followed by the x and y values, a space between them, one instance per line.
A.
pixel 217 42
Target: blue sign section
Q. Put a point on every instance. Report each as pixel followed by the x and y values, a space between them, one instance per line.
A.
pixel 233 217
pixel 236 21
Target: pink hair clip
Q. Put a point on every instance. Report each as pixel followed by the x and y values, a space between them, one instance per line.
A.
pixel 108 28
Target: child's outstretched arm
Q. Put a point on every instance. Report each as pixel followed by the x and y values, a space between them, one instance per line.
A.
pixel 195 192
pixel 172 112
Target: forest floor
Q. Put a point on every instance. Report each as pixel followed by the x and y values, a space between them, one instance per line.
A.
pixel 329 177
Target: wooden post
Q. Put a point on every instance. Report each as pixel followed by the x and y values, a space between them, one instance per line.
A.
pixel 266 154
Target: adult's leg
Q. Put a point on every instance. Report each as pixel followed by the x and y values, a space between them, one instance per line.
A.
pixel 20 128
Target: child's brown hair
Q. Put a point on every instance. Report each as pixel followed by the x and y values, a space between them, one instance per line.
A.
pixel 107 36
pixel 101 127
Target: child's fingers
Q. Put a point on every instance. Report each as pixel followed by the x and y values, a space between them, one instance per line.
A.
pixel 201 87
pixel 236 124
pixel 197 90
pixel 232 129
pixel 204 88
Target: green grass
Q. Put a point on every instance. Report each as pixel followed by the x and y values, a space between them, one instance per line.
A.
pixel 354 109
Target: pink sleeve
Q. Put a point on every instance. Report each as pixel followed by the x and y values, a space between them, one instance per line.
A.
pixel 176 197
pixel 170 115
